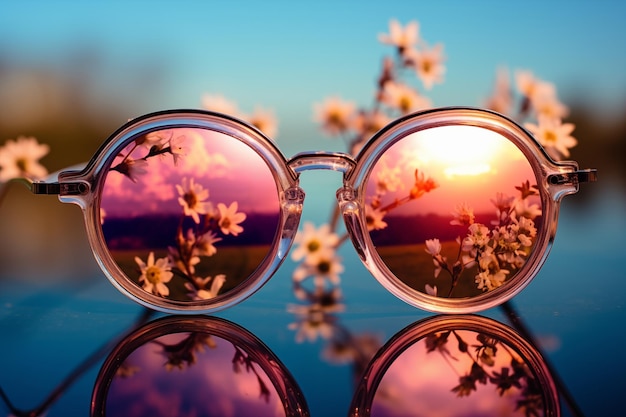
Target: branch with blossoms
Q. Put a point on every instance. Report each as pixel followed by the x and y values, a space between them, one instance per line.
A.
pixel 242 359
pixel 397 94
pixel 490 253
pixel 493 251
pixel 535 104
pixel 414 67
pixel 183 353
pixel 199 228
pixel 158 143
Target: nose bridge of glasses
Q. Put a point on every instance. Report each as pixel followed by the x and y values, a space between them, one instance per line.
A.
pixel 332 161
pixel 349 205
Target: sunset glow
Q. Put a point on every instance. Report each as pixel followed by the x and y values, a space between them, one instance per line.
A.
pixel 470 164
pixel 221 164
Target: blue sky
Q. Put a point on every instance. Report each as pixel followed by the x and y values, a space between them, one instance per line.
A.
pixel 287 55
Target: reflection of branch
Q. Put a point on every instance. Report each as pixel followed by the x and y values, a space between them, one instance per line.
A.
pixel 76 373
pixel 521 327
pixel 482 368
pixel 153 151
pixel 184 351
pixel 241 358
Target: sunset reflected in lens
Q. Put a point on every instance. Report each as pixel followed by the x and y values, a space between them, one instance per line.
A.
pixel 453 210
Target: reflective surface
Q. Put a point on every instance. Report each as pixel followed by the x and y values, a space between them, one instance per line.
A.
pixel 187 213
pixel 57 334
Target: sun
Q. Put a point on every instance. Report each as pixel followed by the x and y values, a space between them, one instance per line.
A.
pixel 465 151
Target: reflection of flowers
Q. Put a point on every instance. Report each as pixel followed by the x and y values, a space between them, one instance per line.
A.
pixel 230 219
pixel 192 198
pixel 198 229
pixel 126 370
pixel 132 168
pixel 374 218
pixel 317 319
pixel 206 288
pixel 242 359
pixel 487 355
pixel 154 275
pixel 178 147
pixel 379 206
pixel 20 158
pixel 183 353
pixel 312 323
pixel 495 252
pixel 205 244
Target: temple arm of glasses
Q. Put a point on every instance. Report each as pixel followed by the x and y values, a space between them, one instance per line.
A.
pixel 576 177
pixel 51 185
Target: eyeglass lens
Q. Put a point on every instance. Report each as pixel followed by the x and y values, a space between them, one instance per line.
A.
pixel 188 213
pixel 453 211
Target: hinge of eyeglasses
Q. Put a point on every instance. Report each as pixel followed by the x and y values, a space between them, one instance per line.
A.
pixel 576 177
pixel 71 188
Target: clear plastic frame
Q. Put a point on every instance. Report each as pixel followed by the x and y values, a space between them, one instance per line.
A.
pixel 453 210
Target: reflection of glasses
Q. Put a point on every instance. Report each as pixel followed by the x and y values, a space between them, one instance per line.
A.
pixel 221 369
pixel 442 363
pixel 452 210
pixel 453 365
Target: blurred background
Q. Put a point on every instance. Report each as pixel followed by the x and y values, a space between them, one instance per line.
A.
pixel 72 72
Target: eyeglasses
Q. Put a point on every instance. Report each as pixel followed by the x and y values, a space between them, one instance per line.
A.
pixel 452 210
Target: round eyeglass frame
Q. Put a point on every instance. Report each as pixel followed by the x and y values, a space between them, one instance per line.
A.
pixel 365 393
pixel 89 183
pixel 289 393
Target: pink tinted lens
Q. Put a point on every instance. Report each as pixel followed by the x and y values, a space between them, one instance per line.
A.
pixel 187 213
pixel 453 211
